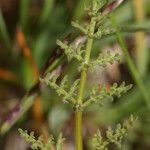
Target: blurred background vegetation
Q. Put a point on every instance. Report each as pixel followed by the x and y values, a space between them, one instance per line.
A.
pixel 28 33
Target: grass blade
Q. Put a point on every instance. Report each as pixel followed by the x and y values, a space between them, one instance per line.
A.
pixel 46 12
pixel 24 7
pixel 4 32
pixel 133 70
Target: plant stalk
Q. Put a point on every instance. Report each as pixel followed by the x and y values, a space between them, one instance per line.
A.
pixel 140 38
pixel 78 114
pixel 133 70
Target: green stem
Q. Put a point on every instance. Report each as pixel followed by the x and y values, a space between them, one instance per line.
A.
pixel 78 114
pixel 131 66
pixel 78 130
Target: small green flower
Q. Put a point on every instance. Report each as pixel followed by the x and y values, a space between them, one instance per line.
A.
pixel 39 143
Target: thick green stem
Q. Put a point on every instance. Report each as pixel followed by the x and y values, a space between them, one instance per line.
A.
pixel 78 130
pixel 84 70
pixel 78 114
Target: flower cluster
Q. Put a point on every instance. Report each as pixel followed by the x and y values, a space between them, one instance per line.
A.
pixel 103 94
pixel 95 28
pixel 113 136
pixel 98 19
pixel 40 143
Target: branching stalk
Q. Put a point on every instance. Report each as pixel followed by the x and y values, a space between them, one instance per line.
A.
pixel 78 114
pixel 94 29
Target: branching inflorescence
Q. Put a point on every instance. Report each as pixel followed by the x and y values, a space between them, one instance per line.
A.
pixel 68 95
pixel 40 143
pixel 74 95
pixel 100 95
pixel 112 136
